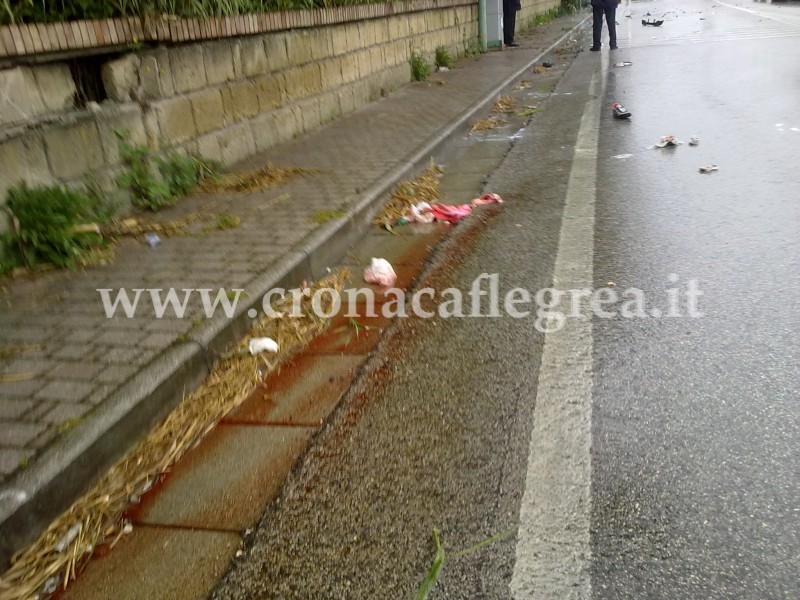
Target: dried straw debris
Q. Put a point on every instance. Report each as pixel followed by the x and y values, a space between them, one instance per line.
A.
pixel 488 124
pixel 253 181
pixel 505 104
pixel 424 188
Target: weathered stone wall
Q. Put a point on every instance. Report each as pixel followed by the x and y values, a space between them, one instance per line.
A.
pixel 225 99
pixel 531 8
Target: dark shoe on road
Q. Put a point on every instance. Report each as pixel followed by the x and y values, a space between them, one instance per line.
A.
pixel 595 48
pixel 512 44
pixel 613 47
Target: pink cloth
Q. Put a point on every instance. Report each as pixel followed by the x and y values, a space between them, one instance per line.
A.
pixel 487 199
pixel 451 214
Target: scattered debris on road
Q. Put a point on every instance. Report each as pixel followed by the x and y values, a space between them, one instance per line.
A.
pixel 488 124
pixel 668 141
pixel 624 63
pixel 694 140
pixel 708 168
pixel 620 112
pixel 505 104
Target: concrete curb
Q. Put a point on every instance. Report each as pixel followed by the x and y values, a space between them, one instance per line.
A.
pixel 39 494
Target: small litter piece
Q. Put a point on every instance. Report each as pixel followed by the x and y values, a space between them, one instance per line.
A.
pixel 486 199
pixel 620 112
pixel 264 344
pixel 622 156
pixel 547 64
pixel 694 140
pixel 539 69
pixel 708 168
pixel 668 141
pixel 380 272
pixel 71 534
pixel 419 213
pixel 653 23
pixel 151 239
pixel 442 69
pixel 624 63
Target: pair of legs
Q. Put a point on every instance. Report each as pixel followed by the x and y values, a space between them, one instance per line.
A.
pixel 610 15
pixel 509 23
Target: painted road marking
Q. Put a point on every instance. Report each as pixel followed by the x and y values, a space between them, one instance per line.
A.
pixel 553 551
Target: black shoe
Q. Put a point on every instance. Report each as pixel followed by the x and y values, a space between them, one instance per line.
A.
pixel 512 44
pixel 595 48
pixel 613 47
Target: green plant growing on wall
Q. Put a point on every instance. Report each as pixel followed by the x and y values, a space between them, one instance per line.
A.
pixel 442 57
pixel 472 46
pixel 53 224
pixel 147 189
pixel 158 181
pixel 420 67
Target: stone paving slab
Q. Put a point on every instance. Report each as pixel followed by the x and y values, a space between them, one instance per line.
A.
pixel 179 564
pixel 91 370
pixel 228 480
pixel 302 391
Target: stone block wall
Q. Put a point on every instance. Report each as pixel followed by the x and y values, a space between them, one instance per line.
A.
pixel 531 8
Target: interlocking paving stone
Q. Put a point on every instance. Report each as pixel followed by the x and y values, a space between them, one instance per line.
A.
pixel 65 390
pixel 20 434
pixel 65 411
pixel 11 409
pixel 13 458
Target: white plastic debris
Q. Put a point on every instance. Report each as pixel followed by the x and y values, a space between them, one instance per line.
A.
pixel 51 584
pixel 668 141
pixel 694 140
pixel 708 168
pixel 127 529
pixel 380 272
pixel 420 213
pixel 71 534
pixel 265 344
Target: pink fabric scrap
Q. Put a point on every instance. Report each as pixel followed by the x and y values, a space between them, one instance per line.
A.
pixel 451 214
pixel 487 199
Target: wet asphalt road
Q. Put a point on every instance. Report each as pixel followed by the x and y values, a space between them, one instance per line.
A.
pixel 694 426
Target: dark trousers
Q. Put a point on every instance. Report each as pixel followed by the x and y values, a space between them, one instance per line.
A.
pixel 597 25
pixel 509 23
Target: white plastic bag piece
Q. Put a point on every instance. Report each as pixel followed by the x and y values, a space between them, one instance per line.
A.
pixel 380 272
pixel 257 345
pixel 421 213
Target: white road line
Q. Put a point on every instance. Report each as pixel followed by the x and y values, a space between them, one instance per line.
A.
pixel 553 551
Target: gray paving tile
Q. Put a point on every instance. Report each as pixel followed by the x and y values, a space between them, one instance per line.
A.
pixel 65 411
pixel 18 434
pixel 63 390
pixel 11 409
pixel 13 458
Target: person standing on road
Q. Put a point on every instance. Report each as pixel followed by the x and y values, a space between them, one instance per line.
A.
pixel 599 9
pixel 510 8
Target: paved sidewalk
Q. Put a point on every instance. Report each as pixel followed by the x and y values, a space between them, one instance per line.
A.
pixel 90 386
